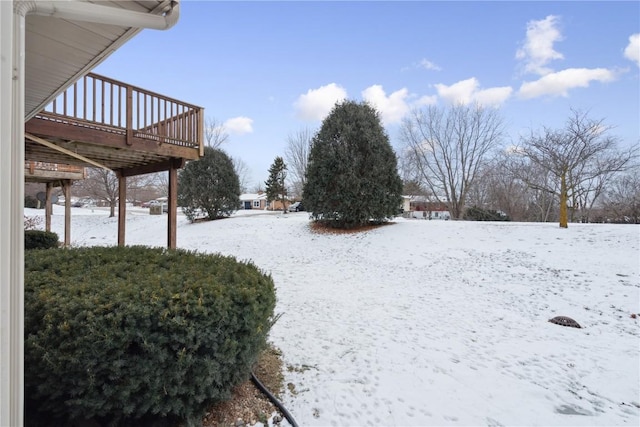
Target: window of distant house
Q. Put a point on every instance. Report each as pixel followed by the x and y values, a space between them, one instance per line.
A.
pixel 436 214
pixel 256 203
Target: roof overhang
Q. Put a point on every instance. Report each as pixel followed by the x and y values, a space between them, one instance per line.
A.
pixel 66 39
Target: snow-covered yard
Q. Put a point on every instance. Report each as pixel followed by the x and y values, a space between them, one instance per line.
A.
pixel 424 323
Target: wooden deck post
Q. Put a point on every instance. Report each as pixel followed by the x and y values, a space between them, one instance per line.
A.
pixel 200 135
pixel 48 209
pixel 66 187
pixel 172 209
pixel 122 207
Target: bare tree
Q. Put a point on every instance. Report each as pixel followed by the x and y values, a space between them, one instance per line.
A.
pixel 495 188
pixel 242 170
pixel 101 184
pixel 258 187
pixel 214 133
pixel 407 168
pixel 622 198
pixel 448 146
pixel 480 194
pixel 140 188
pixel 575 156
pixel 160 181
pixel 536 185
pixel 413 188
pixel 586 194
pixel 296 156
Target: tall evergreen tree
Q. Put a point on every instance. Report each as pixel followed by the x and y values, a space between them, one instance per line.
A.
pixel 209 186
pixel 352 176
pixel 276 188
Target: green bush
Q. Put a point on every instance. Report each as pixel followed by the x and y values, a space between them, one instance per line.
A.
pixel 137 335
pixel 478 214
pixel 30 202
pixel 38 239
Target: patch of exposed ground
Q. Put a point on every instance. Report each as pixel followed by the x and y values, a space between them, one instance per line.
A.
pixel 248 405
pixel 321 228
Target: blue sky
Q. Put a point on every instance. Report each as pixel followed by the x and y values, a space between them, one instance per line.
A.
pixel 269 69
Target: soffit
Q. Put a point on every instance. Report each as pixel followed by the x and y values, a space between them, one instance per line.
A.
pixel 58 51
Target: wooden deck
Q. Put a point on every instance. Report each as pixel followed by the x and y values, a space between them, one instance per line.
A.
pixel 101 122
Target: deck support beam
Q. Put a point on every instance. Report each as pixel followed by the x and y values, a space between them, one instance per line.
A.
pixel 172 208
pixel 122 208
pixel 48 209
pixel 66 189
pixel 63 150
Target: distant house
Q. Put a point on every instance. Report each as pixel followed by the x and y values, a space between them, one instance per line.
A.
pixel 422 207
pixel 276 205
pixel 253 201
pixel 406 203
pixel 259 201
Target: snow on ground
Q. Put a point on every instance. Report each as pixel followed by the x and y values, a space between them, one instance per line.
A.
pixel 423 323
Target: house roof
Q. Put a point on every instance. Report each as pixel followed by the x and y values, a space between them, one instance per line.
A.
pixel 247 197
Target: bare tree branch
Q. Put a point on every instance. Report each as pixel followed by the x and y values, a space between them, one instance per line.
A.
pixel 243 172
pixel 449 146
pixel 101 184
pixel 214 133
pixel 582 157
pixel 296 156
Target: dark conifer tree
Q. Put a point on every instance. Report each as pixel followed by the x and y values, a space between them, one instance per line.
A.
pixel 352 176
pixel 276 188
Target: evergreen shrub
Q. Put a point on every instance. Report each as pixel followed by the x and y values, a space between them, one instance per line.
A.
pixel 30 202
pixel 39 239
pixel 478 214
pixel 209 188
pixel 352 174
pixel 138 335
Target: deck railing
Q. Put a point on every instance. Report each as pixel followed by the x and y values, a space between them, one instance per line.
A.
pixel 109 105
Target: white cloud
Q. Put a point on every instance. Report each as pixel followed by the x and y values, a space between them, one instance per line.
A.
pixel 537 49
pixel 458 93
pixel 467 91
pixel 239 125
pixel 428 65
pixel 317 103
pixel 559 84
pixel 632 51
pixel 423 63
pixel 493 97
pixel 392 108
pixel 426 100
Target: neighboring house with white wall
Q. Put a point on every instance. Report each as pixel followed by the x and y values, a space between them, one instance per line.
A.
pixel 424 208
pixel 253 201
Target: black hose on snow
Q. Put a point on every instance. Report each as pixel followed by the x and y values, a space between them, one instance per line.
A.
pixel 273 400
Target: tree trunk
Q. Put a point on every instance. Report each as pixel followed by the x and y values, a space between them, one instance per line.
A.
pixel 548 212
pixel 563 201
pixel 112 210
